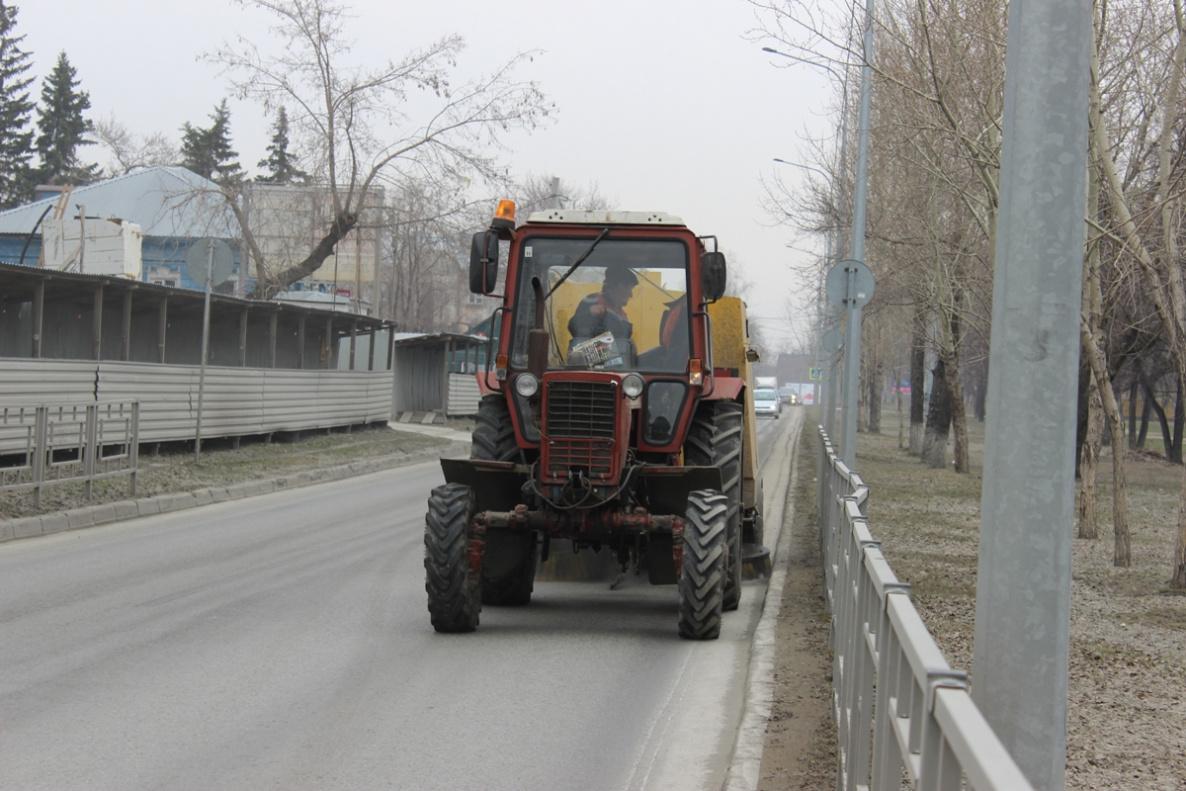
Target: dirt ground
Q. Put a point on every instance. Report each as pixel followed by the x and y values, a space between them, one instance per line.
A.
pixel 1127 674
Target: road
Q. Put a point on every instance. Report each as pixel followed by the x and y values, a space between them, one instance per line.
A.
pixel 283 642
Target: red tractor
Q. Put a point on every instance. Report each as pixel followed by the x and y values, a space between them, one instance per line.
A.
pixel 614 417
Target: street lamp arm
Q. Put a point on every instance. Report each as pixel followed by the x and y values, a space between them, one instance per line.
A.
pixel 805 167
pixel 829 69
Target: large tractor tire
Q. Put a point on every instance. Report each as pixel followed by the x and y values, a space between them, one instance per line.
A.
pixel 715 440
pixel 508 568
pixel 705 561
pixel 494 435
pixel 454 596
pixel 508 563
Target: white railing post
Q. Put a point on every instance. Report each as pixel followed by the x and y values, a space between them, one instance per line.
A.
pixel 896 702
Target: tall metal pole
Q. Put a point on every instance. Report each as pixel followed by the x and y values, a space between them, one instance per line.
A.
pixel 852 340
pixel 1023 589
pixel 821 326
pixel 832 355
pixel 205 347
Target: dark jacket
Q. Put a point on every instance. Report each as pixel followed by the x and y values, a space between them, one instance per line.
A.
pixel 584 324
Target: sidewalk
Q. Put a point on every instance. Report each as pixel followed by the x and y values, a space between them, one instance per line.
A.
pixel 106 513
pixel 408 422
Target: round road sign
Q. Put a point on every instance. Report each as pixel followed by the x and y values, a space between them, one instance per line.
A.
pixel 199 254
pixel 849 284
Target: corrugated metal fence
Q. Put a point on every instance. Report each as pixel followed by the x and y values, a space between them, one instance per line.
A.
pixel 464 395
pixel 896 702
pixel 237 401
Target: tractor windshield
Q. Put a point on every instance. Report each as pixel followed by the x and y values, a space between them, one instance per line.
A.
pixel 622 308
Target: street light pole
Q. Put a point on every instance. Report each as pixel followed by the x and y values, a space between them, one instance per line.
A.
pixel 852 341
pixel 830 351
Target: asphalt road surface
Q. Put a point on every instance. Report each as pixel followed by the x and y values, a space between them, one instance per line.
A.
pixel 283 642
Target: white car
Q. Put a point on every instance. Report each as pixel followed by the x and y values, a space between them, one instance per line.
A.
pixel 767 402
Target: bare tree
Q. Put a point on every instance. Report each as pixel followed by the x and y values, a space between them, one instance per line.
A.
pixel 129 152
pixel 360 127
pixel 1146 200
pixel 429 246
pixel 541 192
pixel 934 158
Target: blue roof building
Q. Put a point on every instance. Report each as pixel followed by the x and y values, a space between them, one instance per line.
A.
pixel 172 205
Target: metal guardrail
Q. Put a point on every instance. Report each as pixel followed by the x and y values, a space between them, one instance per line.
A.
pixel 68 444
pixel 896 702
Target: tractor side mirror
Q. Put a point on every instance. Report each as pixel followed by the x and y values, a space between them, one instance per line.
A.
pixel 483 262
pixel 712 275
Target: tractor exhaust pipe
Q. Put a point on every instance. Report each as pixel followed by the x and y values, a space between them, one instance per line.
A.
pixel 538 338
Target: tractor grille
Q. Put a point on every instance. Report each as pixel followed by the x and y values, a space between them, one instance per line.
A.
pixel 580 430
pixel 581 410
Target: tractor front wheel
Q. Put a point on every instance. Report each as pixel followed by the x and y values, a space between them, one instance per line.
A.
pixel 454 596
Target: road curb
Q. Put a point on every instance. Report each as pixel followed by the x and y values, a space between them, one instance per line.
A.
pixel 106 513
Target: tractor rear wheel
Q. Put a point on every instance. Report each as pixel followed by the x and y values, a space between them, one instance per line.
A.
pixel 454 597
pixel 704 566
pixel 715 440
pixel 494 435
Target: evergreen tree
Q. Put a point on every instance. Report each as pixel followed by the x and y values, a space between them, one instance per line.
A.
pixel 16 137
pixel 63 127
pixel 281 166
pixel 207 151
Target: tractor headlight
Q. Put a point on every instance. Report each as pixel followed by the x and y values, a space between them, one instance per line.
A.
pixel 632 385
pixel 526 385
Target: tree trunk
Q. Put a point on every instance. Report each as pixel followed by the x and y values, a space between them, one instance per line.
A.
pixel 934 445
pixel 1085 381
pixel 981 398
pixel 1147 404
pixel 1173 450
pixel 1088 521
pixel 1178 581
pixel 898 400
pixel 875 379
pixel 1170 438
pixel 955 390
pixel 959 420
pixel 918 381
pixel 1122 552
pixel 342 225
pixel 1133 391
pixel 1091 407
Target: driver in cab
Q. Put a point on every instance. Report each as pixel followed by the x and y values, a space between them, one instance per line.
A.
pixel 605 311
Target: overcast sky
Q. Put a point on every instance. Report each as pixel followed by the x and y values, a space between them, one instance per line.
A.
pixel 665 105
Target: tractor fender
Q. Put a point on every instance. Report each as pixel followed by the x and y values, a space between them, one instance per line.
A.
pixel 497 484
pixel 725 388
pixel 667 487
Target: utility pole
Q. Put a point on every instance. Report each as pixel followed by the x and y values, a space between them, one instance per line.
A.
pixel 1023 589
pixel 852 340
